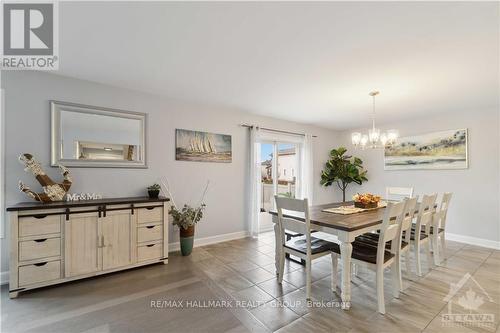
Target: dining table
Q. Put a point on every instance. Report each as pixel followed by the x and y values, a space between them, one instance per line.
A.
pixel 345 227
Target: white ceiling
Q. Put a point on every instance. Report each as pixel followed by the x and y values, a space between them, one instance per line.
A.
pixel 307 62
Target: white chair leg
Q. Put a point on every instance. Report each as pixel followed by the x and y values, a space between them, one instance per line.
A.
pixel 398 279
pixel 354 269
pixel 417 256
pixel 443 246
pixel 334 272
pixel 397 282
pixel 281 267
pixel 380 289
pixel 435 247
pixel 430 262
pixel 308 279
pixel 408 264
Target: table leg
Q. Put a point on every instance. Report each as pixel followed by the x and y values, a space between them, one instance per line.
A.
pixel 345 254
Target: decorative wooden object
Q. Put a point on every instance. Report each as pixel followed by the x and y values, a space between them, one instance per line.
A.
pixel 63 241
pixel 52 191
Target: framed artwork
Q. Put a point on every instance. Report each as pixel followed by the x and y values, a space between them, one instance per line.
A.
pixel 437 150
pixel 202 146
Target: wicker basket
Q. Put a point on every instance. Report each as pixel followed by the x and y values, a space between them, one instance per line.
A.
pixel 369 205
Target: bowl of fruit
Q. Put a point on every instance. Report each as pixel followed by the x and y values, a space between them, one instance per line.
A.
pixel 366 200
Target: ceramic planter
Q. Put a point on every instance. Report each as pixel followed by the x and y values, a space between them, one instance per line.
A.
pixel 153 194
pixel 187 240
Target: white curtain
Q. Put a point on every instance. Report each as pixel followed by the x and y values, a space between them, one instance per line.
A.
pixel 306 167
pixel 255 182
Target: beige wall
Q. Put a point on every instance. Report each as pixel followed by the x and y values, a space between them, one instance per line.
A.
pixel 27 96
pixel 474 210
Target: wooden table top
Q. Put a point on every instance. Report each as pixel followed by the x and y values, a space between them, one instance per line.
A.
pixel 350 222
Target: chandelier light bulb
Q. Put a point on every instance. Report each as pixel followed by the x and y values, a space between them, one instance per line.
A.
pixel 375 138
pixel 364 140
pixel 356 138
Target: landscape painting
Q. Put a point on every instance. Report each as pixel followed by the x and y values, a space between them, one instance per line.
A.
pixel 202 146
pixel 437 150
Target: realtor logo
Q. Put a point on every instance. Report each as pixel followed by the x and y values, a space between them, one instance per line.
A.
pixel 30 35
pixel 469 296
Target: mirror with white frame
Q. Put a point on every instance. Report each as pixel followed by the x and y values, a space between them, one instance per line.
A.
pixel 88 136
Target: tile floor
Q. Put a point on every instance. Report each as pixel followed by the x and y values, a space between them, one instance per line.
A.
pixel 187 296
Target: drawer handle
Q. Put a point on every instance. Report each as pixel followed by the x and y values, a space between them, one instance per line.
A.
pixel 150 226
pixel 40 240
pixel 41 264
pixel 150 208
pixel 40 216
pixel 150 245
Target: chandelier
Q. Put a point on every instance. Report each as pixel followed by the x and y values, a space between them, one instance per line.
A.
pixel 374 139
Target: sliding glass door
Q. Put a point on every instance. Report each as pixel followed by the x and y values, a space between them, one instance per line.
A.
pixel 280 165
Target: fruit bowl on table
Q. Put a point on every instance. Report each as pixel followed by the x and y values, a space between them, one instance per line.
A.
pixel 366 201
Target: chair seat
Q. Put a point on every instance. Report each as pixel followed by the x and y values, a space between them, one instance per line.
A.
pixel 368 253
pixel 440 230
pixel 372 239
pixel 317 245
pixel 423 235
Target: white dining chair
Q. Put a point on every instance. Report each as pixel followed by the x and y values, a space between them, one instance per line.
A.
pixel 379 257
pixel 403 238
pixel 305 247
pixel 439 224
pixel 420 231
pixel 398 193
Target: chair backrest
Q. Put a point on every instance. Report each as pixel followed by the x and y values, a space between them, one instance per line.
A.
pixel 440 216
pixel 391 226
pixel 409 214
pixel 398 193
pixel 299 207
pixel 425 215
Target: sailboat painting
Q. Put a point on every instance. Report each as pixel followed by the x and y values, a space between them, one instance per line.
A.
pixel 202 146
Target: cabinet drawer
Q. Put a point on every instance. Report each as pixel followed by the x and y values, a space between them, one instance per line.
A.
pixel 149 252
pixel 150 233
pixel 39 248
pixel 39 225
pixel 146 215
pixel 41 272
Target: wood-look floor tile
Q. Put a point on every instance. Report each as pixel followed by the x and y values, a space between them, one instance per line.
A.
pixel 274 315
pixel 258 275
pixel 234 283
pixel 296 301
pixel 243 265
pixel 303 325
pixel 275 289
pixel 253 294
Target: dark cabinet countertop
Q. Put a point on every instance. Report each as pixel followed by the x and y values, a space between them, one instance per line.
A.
pixel 34 205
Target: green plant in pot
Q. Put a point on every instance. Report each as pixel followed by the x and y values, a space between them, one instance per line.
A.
pixel 186 219
pixel 343 169
pixel 154 191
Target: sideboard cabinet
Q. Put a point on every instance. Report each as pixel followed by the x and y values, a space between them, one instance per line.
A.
pixel 65 241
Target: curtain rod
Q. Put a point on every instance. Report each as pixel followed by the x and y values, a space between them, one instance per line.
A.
pixel 275 130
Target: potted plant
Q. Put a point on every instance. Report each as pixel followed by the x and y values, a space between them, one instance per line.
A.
pixel 154 191
pixel 186 218
pixel 343 169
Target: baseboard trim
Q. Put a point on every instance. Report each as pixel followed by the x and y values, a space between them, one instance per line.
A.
pixel 175 247
pixel 473 241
